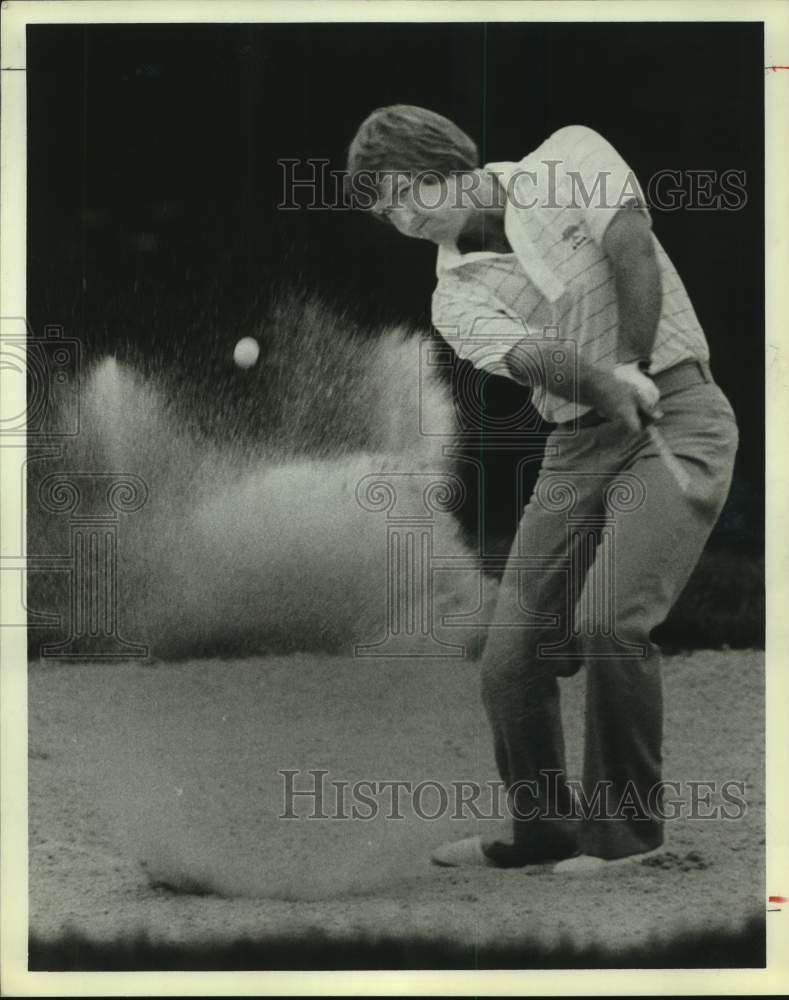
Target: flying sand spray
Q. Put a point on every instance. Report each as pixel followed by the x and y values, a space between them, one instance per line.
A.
pixel 262 547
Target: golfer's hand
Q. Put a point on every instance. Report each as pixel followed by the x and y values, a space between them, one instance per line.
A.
pixel 626 396
pixel 648 393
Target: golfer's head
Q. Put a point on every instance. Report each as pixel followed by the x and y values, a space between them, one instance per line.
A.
pixel 420 162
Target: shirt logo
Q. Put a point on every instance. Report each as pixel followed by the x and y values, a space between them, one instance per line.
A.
pixel 575 236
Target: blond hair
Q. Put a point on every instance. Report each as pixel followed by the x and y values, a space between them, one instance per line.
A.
pixel 404 137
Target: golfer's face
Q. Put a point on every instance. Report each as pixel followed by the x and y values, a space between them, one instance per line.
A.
pixel 424 206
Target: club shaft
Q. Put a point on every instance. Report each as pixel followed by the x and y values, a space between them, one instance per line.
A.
pixel 670 460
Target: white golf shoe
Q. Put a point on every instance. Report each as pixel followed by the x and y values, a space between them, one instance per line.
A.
pixel 587 864
pixel 462 854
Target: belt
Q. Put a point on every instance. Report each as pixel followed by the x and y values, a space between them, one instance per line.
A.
pixel 680 376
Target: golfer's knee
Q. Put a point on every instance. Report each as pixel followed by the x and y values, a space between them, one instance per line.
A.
pixel 506 681
pixel 626 631
pixel 499 681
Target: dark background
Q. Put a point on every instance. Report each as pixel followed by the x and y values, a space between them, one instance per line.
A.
pixel 152 181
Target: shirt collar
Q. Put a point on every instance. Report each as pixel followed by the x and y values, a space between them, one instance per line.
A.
pixel 449 257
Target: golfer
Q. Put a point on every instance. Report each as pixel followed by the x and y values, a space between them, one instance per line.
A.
pixel 558 247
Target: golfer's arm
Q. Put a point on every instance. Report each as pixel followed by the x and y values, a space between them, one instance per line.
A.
pixel 629 246
pixel 581 383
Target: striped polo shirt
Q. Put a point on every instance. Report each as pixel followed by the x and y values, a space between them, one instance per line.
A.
pixel 558 282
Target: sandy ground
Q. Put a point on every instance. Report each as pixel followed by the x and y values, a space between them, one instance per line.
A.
pixel 175 766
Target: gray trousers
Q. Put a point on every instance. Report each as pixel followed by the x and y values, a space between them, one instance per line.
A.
pixel 618 541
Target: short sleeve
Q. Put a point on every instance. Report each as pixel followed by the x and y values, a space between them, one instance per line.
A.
pixel 600 182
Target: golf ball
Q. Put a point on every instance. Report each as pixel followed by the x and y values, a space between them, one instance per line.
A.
pixel 246 352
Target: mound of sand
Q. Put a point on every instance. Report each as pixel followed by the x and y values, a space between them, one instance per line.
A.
pixel 177 767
